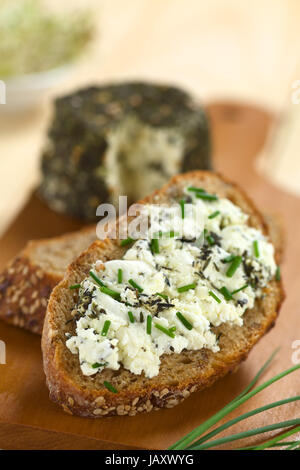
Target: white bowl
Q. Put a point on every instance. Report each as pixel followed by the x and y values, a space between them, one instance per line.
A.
pixel 28 91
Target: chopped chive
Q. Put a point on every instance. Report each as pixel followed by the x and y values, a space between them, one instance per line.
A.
pixel 196 190
pixel 170 234
pixel 228 259
pixel 112 293
pixel 75 286
pixel 135 285
pixel 163 296
pixel 182 203
pixel 149 324
pixel 164 330
pixel 214 214
pixel 154 245
pixel 96 365
pixel 105 328
pixel 210 240
pixel 131 317
pixel 126 241
pixel 172 329
pixel 225 292
pixel 213 295
pixel 110 387
pixel 256 248
pixel 238 290
pixel 234 265
pixel 207 197
pixel 187 287
pixel 184 321
pixel 120 276
pixel 278 274
pixel 96 279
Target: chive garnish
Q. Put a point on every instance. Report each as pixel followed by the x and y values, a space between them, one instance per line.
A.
pixel 184 321
pixel 238 290
pixel 225 292
pixel 112 293
pixel 163 296
pixel 187 287
pixel 110 387
pixel 196 190
pixel 96 365
pixel 164 330
pixel 135 285
pixel 75 286
pixel 182 203
pixel 214 214
pixel 213 295
pixel 256 248
pixel 120 276
pixel 170 234
pixel 131 317
pixel 234 265
pixel 126 241
pixel 207 197
pixel 149 324
pixel 154 245
pixel 210 240
pixel 105 328
pixel 278 274
pixel 228 259
pixel 172 329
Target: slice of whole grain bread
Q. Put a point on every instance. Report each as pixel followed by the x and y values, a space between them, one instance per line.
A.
pixel 27 281
pixel 180 374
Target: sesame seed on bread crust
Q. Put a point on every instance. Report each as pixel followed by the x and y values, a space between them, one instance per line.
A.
pixel 180 374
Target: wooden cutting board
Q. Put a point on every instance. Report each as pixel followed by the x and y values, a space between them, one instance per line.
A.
pixel 28 420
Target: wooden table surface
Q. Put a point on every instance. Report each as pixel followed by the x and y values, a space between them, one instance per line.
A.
pixel 29 420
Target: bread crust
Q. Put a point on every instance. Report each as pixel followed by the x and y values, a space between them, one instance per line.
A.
pixel 86 396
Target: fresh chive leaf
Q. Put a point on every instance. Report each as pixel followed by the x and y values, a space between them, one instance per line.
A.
pixel 225 292
pixel 278 274
pixel 164 330
pixel 126 241
pixel 279 438
pixel 172 329
pixel 207 197
pixel 163 296
pixel 110 387
pixel 105 328
pixel 74 286
pixel 238 290
pixel 154 245
pixel 184 321
pixel 131 317
pixel 214 296
pixel 182 203
pixel 234 265
pixel 256 248
pixel 112 293
pixel 186 288
pixel 120 276
pixel 214 214
pixel 135 285
pixel 196 190
pixel 149 324
pixel 96 365
pixel 228 259
pixel 96 279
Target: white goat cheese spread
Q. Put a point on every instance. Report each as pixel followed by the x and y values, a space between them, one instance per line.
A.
pixel 205 267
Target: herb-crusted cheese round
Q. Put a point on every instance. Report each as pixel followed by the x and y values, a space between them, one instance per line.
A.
pixel 123 139
pixel 207 268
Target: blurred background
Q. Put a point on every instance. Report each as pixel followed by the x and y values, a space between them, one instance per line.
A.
pixel 221 50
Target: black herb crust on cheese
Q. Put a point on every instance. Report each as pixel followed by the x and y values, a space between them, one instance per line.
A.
pixel 76 176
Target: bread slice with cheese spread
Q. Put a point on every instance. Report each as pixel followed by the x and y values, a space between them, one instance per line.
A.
pixel 180 374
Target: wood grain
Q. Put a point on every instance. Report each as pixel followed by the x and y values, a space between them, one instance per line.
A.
pixel 29 419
